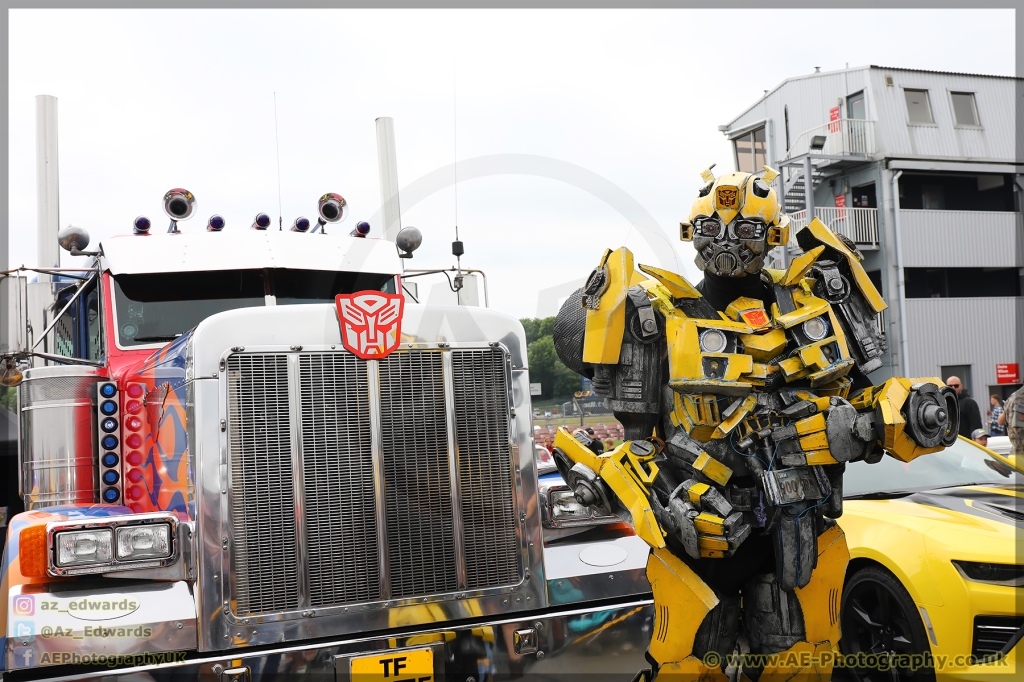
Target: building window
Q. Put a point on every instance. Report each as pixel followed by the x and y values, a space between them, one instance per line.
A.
pixel 962 282
pixel 955 192
pixel 751 151
pixel 965 110
pixel 919 109
pixel 864 196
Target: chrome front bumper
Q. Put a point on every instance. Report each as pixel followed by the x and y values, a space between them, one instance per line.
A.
pixel 595 643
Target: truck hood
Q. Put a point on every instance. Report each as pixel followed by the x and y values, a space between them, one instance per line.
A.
pixel 318 325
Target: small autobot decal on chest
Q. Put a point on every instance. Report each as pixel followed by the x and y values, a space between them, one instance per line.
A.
pixel 371 323
pixel 755 318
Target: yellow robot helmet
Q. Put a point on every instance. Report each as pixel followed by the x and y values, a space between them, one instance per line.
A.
pixel 734 221
pixel 742 194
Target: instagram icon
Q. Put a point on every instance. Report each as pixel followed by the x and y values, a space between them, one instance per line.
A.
pixel 24 605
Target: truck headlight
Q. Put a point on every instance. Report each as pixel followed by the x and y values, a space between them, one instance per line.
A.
pixel 143 542
pixel 78 548
pixel 105 544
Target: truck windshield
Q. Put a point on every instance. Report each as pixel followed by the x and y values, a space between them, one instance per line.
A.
pixel 159 307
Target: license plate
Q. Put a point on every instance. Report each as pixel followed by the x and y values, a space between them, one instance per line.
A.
pixel 409 665
pixel 786 486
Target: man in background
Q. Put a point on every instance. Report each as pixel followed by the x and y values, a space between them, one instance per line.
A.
pixel 1013 419
pixel 994 425
pixel 970 413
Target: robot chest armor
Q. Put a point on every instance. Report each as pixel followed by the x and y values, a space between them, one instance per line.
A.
pixel 753 351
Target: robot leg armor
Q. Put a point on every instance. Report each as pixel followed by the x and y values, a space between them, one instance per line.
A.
pixel 800 627
pixel 690 619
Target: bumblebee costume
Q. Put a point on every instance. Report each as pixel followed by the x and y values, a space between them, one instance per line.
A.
pixel 742 398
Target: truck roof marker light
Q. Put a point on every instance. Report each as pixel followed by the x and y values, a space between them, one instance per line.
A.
pixel 408 240
pixel 361 230
pixel 261 221
pixel 301 224
pixel 141 225
pixel 179 204
pixel 134 440
pixel 332 208
pixel 133 459
pixel 216 223
pixel 111 495
pixel 135 492
pixel 134 390
pixel 132 406
pixel 133 423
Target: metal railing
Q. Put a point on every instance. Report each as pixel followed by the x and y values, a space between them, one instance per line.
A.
pixel 858 224
pixel 842 137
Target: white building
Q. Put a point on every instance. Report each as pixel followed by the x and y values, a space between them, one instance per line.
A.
pixel 923 170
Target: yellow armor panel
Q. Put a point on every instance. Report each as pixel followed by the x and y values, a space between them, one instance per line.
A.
pixel 676 285
pixel 607 322
pixel 860 275
pixel 681 600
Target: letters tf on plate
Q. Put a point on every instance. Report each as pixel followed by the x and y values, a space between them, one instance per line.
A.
pixel 410 665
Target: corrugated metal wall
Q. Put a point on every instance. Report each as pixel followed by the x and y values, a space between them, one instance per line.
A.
pixel 979 332
pixel 962 239
pixel 994 140
pixel 809 99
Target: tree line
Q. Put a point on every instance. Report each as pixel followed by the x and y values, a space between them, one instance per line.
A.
pixel 556 380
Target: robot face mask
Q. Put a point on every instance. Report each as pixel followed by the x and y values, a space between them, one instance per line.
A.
pixel 730 250
pixel 734 222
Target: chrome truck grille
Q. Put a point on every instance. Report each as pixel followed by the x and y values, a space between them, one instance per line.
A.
pixel 357 481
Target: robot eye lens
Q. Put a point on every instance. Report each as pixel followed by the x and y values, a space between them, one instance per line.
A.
pixel 710 228
pixel 749 231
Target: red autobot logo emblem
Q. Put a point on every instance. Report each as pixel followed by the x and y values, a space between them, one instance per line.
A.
pixel 371 323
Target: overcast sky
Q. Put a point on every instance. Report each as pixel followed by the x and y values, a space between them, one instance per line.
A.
pixel 154 99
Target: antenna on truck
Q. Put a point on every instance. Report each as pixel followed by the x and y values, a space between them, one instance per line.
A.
pixel 277 147
pixel 457 248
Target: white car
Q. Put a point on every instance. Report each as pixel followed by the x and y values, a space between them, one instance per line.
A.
pixel 1000 445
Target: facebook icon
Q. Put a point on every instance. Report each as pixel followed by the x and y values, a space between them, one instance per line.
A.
pixel 23 656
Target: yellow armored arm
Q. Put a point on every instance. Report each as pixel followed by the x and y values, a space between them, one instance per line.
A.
pixel 628 471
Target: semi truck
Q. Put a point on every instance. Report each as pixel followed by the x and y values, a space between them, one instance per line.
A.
pixel 247 453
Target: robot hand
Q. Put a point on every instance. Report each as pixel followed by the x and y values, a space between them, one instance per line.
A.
pixel 702 520
pixel 912 417
pixel 618 481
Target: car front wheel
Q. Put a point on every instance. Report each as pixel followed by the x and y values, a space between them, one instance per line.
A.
pixel 880 623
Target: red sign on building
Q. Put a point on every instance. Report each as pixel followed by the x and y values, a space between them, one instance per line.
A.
pixel 841 205
pixel 833 120
pixel 1008 373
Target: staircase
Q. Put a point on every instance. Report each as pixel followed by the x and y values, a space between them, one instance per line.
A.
pixel 794 186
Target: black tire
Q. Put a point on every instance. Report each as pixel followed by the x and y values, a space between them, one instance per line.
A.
pixel 878 616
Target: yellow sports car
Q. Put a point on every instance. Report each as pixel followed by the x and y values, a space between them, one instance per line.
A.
pixel 937 567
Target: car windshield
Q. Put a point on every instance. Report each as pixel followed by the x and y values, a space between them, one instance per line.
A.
pixel 159 307
pixel 962 463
